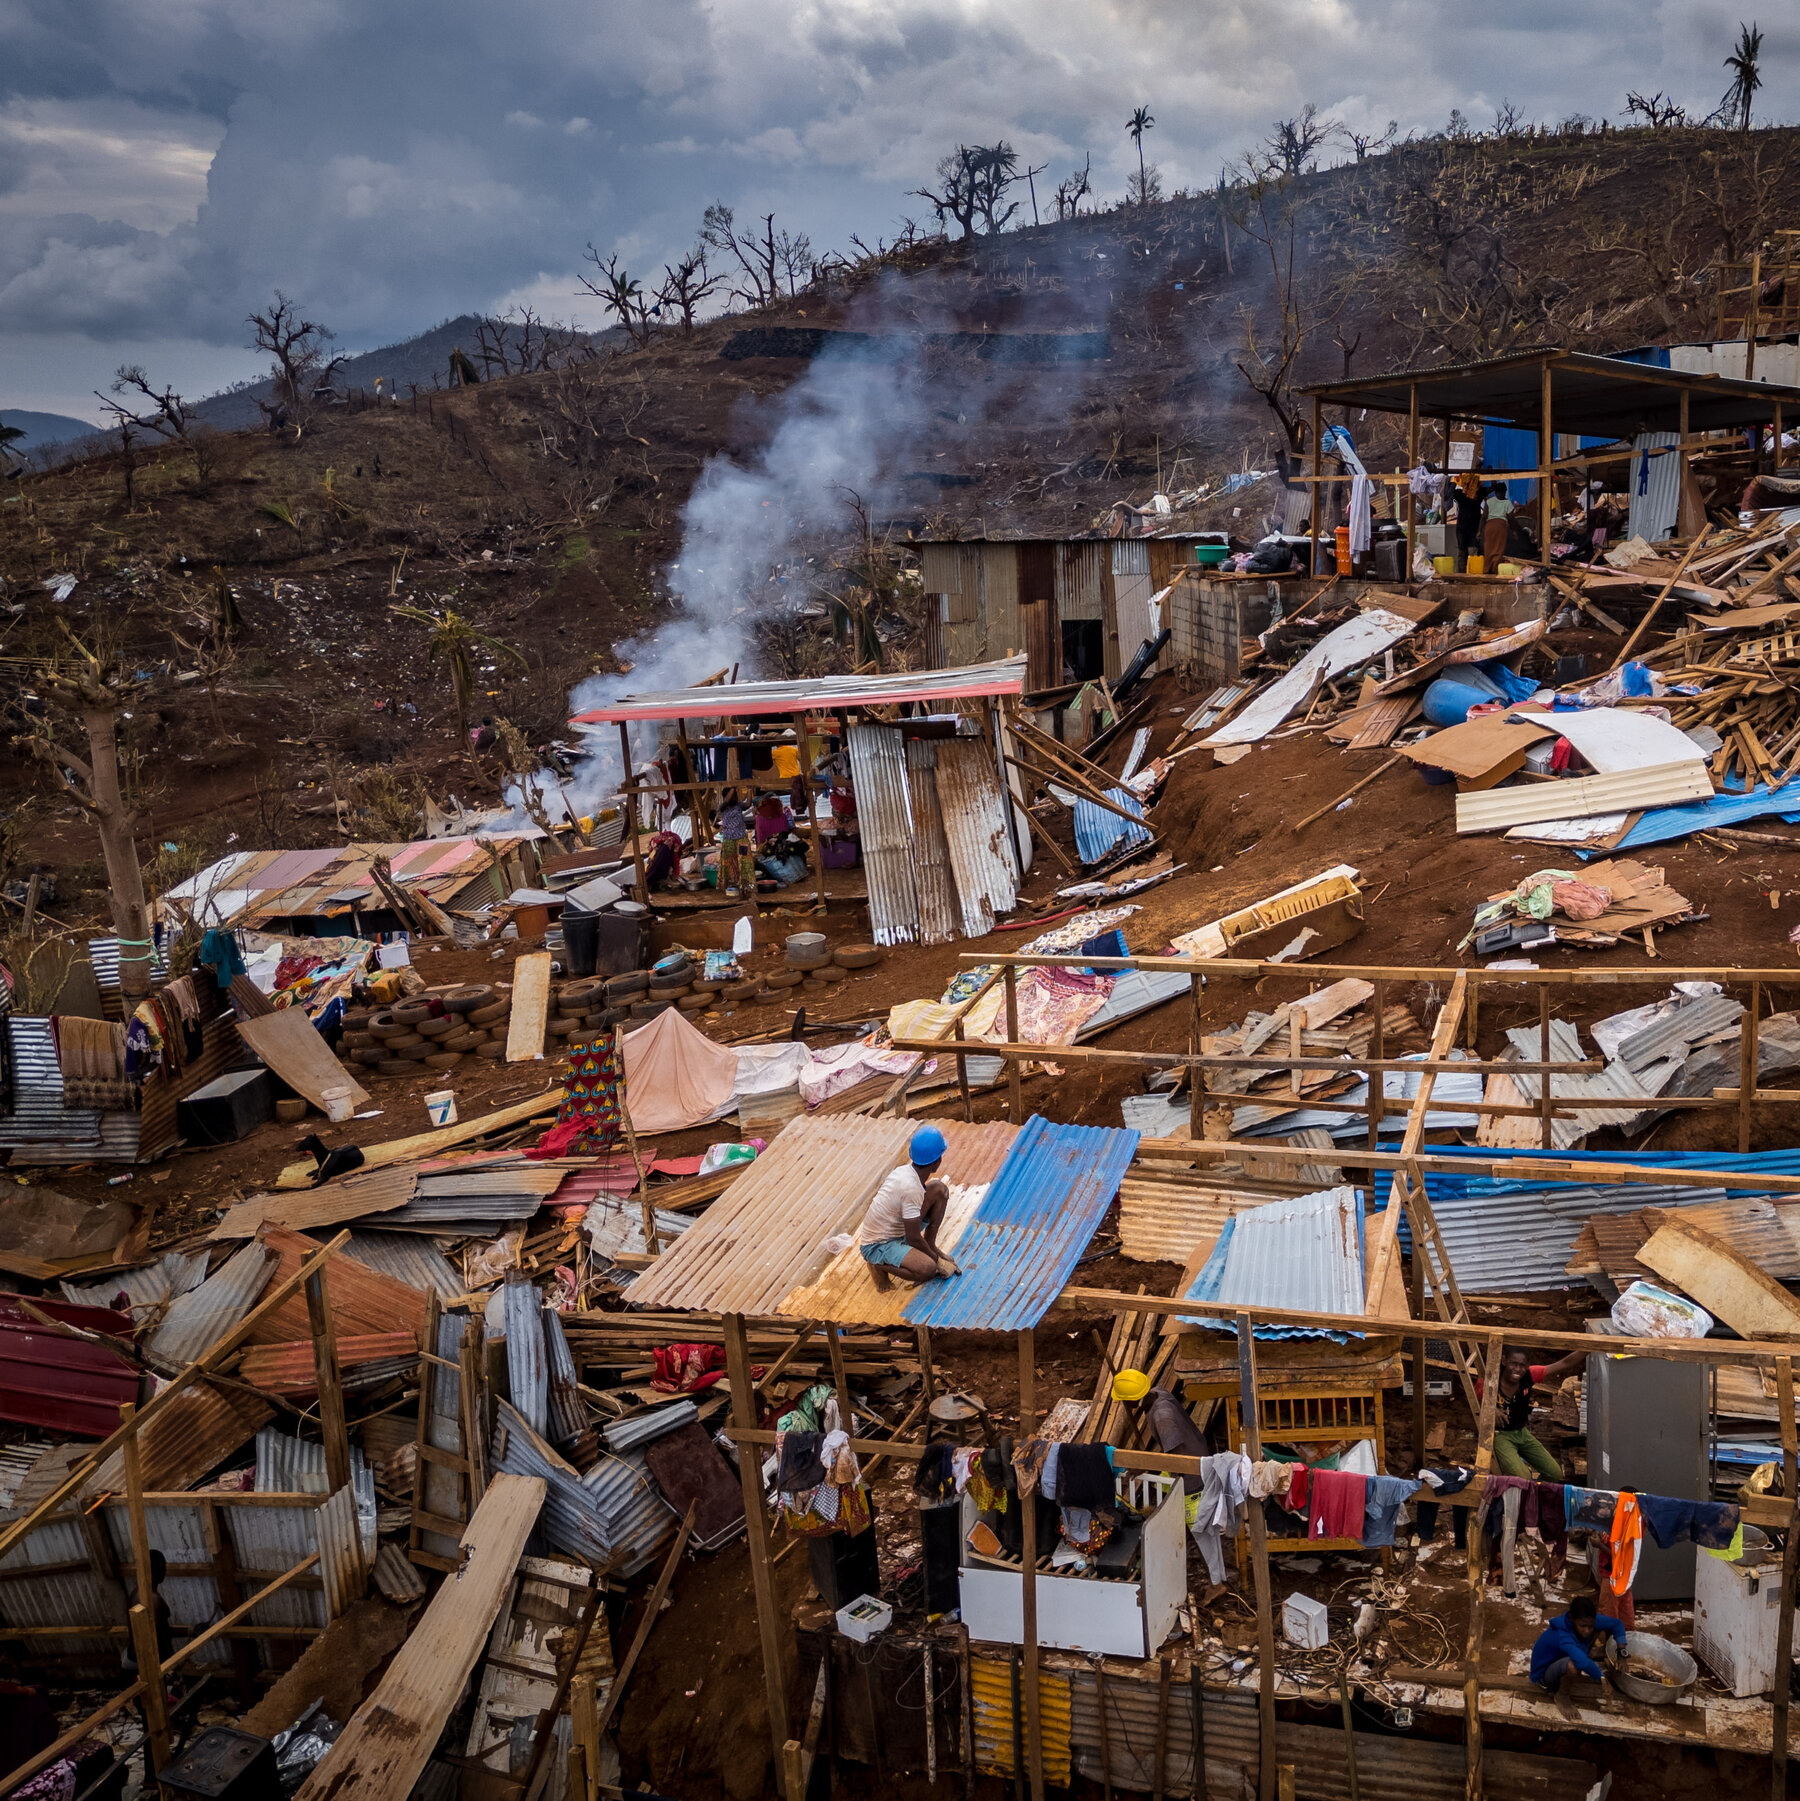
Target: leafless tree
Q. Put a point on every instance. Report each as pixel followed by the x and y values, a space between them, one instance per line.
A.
pixel 972 184
pixel 620 293
pixel 1657 110
pixel 1509 121
pixel 167 416
pixel 1294 144
pixel 1076 188
pixel 1366 144
pixel 302 374
pixel 757 254
pixel 794 258
pixel 687 284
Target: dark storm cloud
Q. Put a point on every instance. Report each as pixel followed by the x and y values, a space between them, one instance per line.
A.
pixel 164 163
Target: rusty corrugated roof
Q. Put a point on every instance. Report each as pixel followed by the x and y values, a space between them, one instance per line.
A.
pixel 361 1299
pixel 981 855
pixel 884 826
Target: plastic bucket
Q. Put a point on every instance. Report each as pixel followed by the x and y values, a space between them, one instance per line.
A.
pixel 1444 565
pixel 441 1107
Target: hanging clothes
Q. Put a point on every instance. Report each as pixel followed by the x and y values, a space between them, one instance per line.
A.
pixel 1224 1485
pixel 591 1092
pixel 1553 1526
pixel 1625 1546
pixel 1381 1507
pixel 1085 1477
pixel 1362 491
pixel 1336 1504
pixel 219 952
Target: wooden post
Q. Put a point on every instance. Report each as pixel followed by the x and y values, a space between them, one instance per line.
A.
pixel 155 1700
pixel 583 1719
pixel 1752 321
pixel 1250 1414
pixel 1778 445
pixel 628 794
pixel 1034 1722
pixel 1681 459
pixel 962 1073
pixel 756 1531
pixel 1196 1071
pixel 332 1426
pixel 1546 465
pixel 1378 1077
pixel 1484 1461
pixel 1349 1734
pixel 1418 1347
pixel 1784 1631
pixel 926 1373
pixel 471 1406
pixel 839 1379
pixel 134 1513
pixel 1312 518
pixel 1412 463
pixel 1545 1122
pixel 1747 1062
pixel 1014 1064
pixel 1472 1007
pixel 1100 1706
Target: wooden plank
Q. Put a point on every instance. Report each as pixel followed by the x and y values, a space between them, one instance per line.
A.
pixel 384 1748
pixel 291 1046
pixel 1250 1418
pixel 1728 1285
pixel 1667 784
pixel 1784 1628
pixel 530 1008
pixel 1029 1674
pixel 427 1144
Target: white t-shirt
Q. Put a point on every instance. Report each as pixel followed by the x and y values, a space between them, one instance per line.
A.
pixel 900 1197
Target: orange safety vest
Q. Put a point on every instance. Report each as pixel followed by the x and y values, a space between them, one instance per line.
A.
pixel 1627 1543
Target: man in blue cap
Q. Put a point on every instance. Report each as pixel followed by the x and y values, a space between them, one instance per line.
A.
pixel 899 1231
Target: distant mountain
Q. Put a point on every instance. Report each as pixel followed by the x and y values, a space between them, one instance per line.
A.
pixel 44 428
pixel 417 362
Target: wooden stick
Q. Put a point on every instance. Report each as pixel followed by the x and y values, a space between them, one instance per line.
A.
pixel 1034 1722
pixel 1484 1460
pixel 1784 1640
pixel 1357 788
pixel 1250 1419
pixel 1643 625
pixel 333 1428
pixel 156 1698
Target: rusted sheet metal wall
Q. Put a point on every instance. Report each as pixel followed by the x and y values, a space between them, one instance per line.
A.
pixel 72 1598
pixel 981 858
pixel 1040 626
pixel 441 1395
pixel 884 820
pixel 930 854
pixel 1000 593
pixel 1128 613
pixel 1080 578
pixel 991 1691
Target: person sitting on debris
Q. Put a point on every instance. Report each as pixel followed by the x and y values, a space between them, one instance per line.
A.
pixel 1516 1451
pixel 1567 1643
pixel 899 1231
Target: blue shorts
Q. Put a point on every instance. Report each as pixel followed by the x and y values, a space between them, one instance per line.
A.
pixel 890 1251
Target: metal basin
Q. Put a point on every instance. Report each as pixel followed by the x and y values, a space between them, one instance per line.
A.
pixel 1674 1662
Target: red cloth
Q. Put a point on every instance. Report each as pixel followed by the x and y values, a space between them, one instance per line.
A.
pixel 1296 1494
pixel 685 1369
pixel 1335 1505
pixel 557 1140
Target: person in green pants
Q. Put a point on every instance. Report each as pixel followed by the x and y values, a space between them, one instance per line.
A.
pixel 1517 1451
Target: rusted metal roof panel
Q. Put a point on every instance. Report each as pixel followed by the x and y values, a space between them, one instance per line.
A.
pixel 407 1257
pixel 1030 1230
pixel 361 1299
pixel 1079 569
pixel 885 827
pixel 191 1434
pixel 763 1235
pixel 1165 1216
pixel 845 1293
pixel 824 693
pixel 974 817
pixel 440 1393
pixel 291 1369
pixel 931 855
pixel 199 1319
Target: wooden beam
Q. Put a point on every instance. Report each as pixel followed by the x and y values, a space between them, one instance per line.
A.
pixel 333 1428
pixel 1484 1461
pixel 156 1697
pixel 1784 1631
pixel 383 1749
pixel 134 1502
pixel 756 1533
pixel 1250 1416
pixel 1015 1074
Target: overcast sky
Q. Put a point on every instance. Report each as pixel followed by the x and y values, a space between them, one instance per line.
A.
pixel 165 163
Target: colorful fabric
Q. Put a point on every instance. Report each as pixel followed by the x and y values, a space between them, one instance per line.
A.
pixel 1627 1543
pixel 1336 1503
pixel 591 1093
pixel 686 1369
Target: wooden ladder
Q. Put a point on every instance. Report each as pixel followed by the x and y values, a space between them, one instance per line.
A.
pixel 1440 1278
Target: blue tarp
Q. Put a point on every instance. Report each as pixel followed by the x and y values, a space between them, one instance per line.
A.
pixel 1660 824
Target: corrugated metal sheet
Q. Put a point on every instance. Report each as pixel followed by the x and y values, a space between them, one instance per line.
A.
pixel 930 854
pixel 844 1292
pixel 1753 1228
pixel 1030 1230
pixel 1303 1253
pixel 1001 626
pixel 1130 625
pixel 364 1359
pixel 991 1699
pixel 179 1273
pixel 38 1117
pixel 764 1234
pixel 488 1182
pixel 199 1319
pixel 1166 1217
pixel 408 1257
pixel 103 953
pixel 1655 486
pixel 1134 991
pixel 342 1570
pixel 568 1418
pixel 441 1396
pixel 527 1369
pixel 60 1383
pixel 613 1517
pixel 15 1460
pixel 361 1299
pixel 1080 571
pixel 616 1224
pixel 975 830
pixel 296 1466
pixel 1679 1030
pixel 201 1428
pixel 640 1429
pixel 1637 1089
pixel 884 821
pixel 1098 833
pixel 74 1598
pixel 825 693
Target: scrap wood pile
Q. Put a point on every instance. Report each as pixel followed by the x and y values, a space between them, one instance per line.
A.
pixel 1110 812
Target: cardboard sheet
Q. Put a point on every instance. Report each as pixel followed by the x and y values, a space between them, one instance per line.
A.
pixel 288 1042
pixel 1481 751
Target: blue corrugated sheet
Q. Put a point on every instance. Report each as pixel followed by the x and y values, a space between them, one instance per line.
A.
pixel 1303 1254
pixel 1509 447
pixel 1099 833
pixel 1028 1234
pixel 1454 1187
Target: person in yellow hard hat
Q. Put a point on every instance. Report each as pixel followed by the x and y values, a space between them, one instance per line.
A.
pixel 1170 1422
